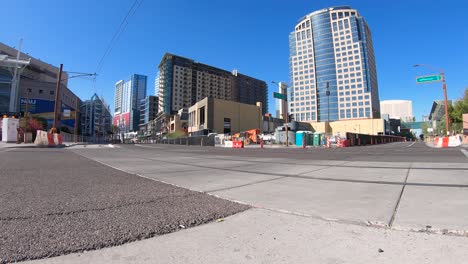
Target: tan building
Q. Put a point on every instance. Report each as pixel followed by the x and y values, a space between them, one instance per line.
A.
pixel 223 117
pixel 358 126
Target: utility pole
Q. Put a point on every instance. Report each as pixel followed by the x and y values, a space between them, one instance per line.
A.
pixel 57 91
pixel 76 120
pixel 444 87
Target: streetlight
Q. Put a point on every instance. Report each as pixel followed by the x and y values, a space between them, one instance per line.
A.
pixel 444 87
pixel 284 90
pixel 328 102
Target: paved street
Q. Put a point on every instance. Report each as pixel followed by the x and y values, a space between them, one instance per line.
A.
pixel 53 202
pixel 322 205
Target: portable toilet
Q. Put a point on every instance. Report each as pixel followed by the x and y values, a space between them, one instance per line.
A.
pixel 310 138
pixel 299 137
pixel 316 139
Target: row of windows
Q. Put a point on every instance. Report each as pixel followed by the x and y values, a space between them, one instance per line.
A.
pixel 304 25
pixel 349 99
pixel 354 104
pixel 353 113
pixel 305 116
pixel 339 15
pixel 353 92
pixel 355 46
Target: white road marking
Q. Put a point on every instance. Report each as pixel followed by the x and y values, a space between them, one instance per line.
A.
pixel 410 145
pixel 464 151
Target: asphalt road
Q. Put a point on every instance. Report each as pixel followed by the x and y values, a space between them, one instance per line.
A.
pixel 394 152
pixel 53 202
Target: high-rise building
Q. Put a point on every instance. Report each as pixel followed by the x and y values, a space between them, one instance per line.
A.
pixel 95 117
pixel 401 109
pixel 148 110
pixel 183 82
pixel 156 84
pixel 332 67
pixel 127 98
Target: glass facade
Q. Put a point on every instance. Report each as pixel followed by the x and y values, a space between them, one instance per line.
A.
pixel 5 89
pixel 325 69
pixel 332 67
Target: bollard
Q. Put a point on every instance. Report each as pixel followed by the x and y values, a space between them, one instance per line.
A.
pixel 261 143
pixel 304 140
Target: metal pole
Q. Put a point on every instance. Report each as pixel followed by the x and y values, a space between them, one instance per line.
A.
pixel 286 126
pixel 76 120
pixel 57 91
pixel 444 87
pixel 328 101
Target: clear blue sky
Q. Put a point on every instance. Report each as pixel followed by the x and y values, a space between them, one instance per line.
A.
pixel 251 36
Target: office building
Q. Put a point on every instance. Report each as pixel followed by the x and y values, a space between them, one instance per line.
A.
pixel 332 67
pixel 183 82
pixel 127 98
pixel 400 109
pixel 148 110
pixel 96 119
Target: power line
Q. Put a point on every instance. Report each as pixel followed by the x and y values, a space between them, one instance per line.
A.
pixel 119 32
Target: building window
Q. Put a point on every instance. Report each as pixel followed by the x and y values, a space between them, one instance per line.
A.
pixel 227 125
pixel 52 92
pixel 41 91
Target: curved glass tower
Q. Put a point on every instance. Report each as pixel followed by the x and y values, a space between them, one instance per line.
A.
pixel 332 66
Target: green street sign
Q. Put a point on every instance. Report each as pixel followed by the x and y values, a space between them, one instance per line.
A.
pixel 429 78
pixel 280 96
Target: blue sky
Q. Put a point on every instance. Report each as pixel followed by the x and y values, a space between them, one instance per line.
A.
pixel 251 36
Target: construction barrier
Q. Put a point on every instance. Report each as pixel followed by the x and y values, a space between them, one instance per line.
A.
pixel 455 141
pixel 445 142
pixel 238 144
pixel 328 142
pixel 338 142
pixel 228 144
pixel 44 139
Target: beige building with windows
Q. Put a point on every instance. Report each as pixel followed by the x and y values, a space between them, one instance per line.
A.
pixel 223 117
pixel 399 109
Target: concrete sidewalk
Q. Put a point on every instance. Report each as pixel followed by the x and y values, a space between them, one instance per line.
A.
pixel 265 236
pixel 400 195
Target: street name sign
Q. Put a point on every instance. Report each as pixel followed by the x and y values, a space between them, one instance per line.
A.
pixel 429 78
pixel 280 96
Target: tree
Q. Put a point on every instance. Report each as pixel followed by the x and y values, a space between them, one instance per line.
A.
pixel 460 108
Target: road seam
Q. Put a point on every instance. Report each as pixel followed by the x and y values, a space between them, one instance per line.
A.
pixel 392 220
pixel 342 165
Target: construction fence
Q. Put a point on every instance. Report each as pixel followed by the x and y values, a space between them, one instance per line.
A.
pixel 188 141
